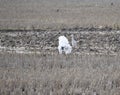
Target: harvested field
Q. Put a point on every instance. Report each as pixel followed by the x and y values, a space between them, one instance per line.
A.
pixel 94 41
pixel 57 14
pixel 30 63
pixel 53 74
pixel 29 59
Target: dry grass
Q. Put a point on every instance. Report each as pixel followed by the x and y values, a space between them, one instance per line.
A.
pixel 56 14
pixel 92 69
pixel 48 73
pixel 53 74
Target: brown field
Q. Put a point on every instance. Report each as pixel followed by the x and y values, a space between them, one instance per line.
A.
pixel 56 14
pixel 30 63
pixel 29 60
pixel 53 74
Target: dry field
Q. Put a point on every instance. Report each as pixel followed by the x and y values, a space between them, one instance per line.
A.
pixel 53 74
pixel 29 60
pixel 56 14
pixel 30 63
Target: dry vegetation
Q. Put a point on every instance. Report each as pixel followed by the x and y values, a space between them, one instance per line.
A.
pixel 53 74
pixel 29 60
pixel 56 14
pixel 92 69
pixel 94 41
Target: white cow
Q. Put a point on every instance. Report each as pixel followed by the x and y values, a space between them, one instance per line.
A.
pixel 64 45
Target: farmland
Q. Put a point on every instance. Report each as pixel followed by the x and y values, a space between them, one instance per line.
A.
pixel 29 60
